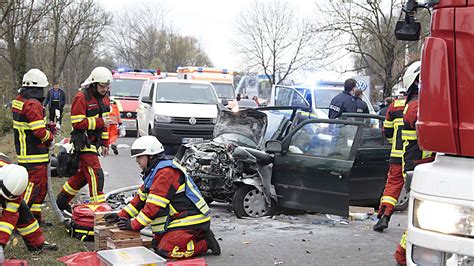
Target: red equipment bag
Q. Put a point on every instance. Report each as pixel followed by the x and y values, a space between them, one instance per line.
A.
pixel 82 223
pixel 81 258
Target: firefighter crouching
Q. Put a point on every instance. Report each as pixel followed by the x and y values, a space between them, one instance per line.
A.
pixel 16 214
pixel 170 202
pixel 392 129
pixel 89 118
pixel 33 137
pixel 413 155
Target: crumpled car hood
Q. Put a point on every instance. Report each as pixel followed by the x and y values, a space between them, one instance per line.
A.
pixel 250 123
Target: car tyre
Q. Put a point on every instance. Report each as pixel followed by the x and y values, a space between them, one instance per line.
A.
pixel 248 201
pixel 403 200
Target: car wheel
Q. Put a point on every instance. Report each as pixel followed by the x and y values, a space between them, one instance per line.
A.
pixel 402 203
pixel 248 201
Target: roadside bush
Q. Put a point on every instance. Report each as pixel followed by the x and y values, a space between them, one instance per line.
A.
pixel 6 122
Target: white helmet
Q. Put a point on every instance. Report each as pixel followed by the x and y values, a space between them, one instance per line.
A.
pixel 411 73
pixel 13 181
pixel 146 145
pixel 35 78
pixel 99 75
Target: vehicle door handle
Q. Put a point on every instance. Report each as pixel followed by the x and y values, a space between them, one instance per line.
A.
pixel 336 173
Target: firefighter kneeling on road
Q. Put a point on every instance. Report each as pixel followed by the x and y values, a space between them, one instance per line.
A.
pixel 16 214
pixel 170 202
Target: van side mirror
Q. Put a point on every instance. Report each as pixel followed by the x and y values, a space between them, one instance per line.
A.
pixel 407 31
pixel 146 100
pixel 273 146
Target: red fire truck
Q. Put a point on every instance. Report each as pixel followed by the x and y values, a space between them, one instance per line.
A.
pixel 441 207
pixel 125 90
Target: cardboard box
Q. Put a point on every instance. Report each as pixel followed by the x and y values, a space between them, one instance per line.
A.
pixel 123 243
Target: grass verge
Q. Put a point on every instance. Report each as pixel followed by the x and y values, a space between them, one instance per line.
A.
pixel 57 233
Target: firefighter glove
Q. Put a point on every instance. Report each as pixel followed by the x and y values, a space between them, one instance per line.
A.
pixel 111 218
pixel 51 126
pixel 125 224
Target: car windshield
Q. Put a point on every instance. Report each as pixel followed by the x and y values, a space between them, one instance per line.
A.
pixel 126 87
pixel 236 138
pixel 224 90
pixel 185 93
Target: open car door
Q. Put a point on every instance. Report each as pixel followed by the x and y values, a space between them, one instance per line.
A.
pixel 288 96
pixel 369 173
pixel 312 170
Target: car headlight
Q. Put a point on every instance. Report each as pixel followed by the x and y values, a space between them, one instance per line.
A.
pixel 163 119
pixel 444 218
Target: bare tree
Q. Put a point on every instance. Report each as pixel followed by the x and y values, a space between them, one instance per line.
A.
pixel 139 38
pixel 18 23
pixel 364 29
pixel 271 38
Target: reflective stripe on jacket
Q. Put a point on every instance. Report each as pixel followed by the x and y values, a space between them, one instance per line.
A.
pixel 392 129
pixel 183 206
pixel 30 134
pixel 87 115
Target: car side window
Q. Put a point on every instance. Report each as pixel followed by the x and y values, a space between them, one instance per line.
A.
pixel 324 140
pixel 145 91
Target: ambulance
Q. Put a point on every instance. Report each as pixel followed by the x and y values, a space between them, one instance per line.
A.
pixel 125 89
pixel 222 79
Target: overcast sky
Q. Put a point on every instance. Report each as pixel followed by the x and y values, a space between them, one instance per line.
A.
pixel 210 21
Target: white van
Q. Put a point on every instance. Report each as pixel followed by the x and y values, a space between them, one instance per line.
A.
pixel 177 111
pixel 318 97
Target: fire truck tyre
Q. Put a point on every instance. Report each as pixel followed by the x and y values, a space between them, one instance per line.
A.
pixel 248 201
pixel 402 203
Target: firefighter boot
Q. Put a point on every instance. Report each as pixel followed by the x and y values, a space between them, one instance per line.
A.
pixel 114 148
pixel 382 223
pixel 212 243
pixel 62 202
pixel 44 246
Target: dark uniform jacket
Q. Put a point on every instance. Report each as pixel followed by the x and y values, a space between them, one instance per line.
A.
pixel 343 103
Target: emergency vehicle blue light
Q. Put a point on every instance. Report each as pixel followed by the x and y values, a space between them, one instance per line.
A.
pixel 121 69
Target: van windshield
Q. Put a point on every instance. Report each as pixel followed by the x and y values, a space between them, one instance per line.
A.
pixel 224 90
pixel 323 97
pixel 185 93
pixel 126 87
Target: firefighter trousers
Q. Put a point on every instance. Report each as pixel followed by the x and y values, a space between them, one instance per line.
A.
pixel 400 252
pixel 89 173
pixel 113 134
pixel 393 187
pixel 37 188
pixel 28 227
pixel 180 244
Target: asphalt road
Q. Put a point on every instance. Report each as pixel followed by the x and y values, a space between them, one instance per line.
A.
pixel 308 239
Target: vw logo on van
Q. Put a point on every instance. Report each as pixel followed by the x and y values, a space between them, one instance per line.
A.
pixel 192 121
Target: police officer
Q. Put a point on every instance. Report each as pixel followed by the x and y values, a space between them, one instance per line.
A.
pixel 344 102
pixel 362 106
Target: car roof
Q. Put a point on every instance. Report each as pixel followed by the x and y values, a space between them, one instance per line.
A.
pixel 247 103
pixel 182 81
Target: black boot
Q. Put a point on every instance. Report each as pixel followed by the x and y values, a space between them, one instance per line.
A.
pixel 212 243
pixel 114 148
pixel 382 223
pixel 62 202
pixel 44 246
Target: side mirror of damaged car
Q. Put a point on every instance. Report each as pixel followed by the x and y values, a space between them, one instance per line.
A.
pixel 273 146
